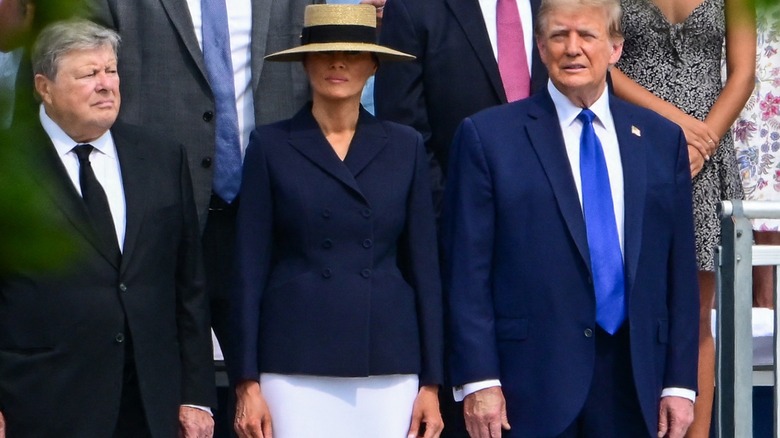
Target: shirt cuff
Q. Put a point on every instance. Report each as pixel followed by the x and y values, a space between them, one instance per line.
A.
pixel 202 408
pixel 460 392
pixel 679 392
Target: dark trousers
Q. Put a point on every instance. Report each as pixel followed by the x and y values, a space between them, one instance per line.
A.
pixel 612 408
pixel 132 419
pixel 219 239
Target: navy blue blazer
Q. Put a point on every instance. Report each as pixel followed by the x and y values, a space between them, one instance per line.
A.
pixel 337 261
pixel 454 76
pixel 517 268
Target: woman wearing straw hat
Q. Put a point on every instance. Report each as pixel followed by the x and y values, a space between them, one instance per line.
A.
pixel 338 304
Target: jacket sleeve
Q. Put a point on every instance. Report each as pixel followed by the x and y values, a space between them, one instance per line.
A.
pixel 418 248
pixel 192 305
pixel 468 244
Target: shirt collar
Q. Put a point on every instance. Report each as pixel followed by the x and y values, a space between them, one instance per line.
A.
pixel 568 112
pixel 64 144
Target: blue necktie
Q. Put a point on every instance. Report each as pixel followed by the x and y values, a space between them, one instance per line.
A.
pixel 219 67
pixel 606 258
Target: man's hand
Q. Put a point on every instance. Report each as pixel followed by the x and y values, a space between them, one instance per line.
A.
pixel 675 416
pixel 380 7
pixel 485 413
pixel 193 423
pixel 253 419
pixel 426 410
pixel 2 425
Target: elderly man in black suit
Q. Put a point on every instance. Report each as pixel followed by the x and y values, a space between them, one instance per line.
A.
pixel 115 341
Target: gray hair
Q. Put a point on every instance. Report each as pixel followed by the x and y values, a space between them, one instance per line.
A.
pixel 611 7
pixel 57 39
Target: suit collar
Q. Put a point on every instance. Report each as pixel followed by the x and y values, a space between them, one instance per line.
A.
pixel 633 154
pixel 58 186
pixel 369 140
pixel 136 186
pixel 179 14
pixel 547 141
pixel 469 16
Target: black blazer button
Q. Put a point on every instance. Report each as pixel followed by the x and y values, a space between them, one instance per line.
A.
pixel 365 273
pixel 122 287
pixel 119 338
pixel 588 333
pixel 327 243
pixel 326 273
pixel 207 116
pixel 367 243
pixel 366 212
pixel 326 213
pixel 205 162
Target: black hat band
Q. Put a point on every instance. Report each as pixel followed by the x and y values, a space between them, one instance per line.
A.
pixel 338 33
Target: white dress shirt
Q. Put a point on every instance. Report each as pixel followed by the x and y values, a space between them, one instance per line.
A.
pixel 104 162
pixel 526 17
pixel 240 26
pixel 571 128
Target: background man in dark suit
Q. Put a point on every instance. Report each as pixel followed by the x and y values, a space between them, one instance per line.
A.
pixel 569 252
pixel 456 72
pixel 115 341
pixel 166 85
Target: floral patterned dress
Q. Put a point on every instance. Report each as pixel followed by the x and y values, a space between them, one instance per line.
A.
pixel 681 63
pixel 757 131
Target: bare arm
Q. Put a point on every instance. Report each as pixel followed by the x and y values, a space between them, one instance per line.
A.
pixel 740 65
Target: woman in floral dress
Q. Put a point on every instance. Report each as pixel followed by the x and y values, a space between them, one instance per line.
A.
pixel 757 143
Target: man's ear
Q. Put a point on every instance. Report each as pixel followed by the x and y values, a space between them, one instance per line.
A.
pixel 42 84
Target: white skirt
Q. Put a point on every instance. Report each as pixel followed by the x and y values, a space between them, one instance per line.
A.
pixel 316 406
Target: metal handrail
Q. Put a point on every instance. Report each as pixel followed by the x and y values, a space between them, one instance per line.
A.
pixel 734 375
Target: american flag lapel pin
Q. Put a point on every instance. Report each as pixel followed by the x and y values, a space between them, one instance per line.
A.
pixel 636 131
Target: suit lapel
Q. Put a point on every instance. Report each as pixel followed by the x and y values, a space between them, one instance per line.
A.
pixel 633 150
pixel 370 138
pixel 261 16
pixel 58 186
pixel 469 16
pixel 179 14
pixel 307 138
pixel 547 140
pixel 136 188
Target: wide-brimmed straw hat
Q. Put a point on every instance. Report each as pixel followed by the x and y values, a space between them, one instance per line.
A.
pixel 339 28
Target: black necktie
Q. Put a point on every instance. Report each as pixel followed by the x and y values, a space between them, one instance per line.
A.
pixel 96 201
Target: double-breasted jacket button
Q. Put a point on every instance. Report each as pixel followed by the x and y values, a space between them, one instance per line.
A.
pixel 327 273
pixel 367 243
pixel 119 338
pixel 588 333
pixel 122 287
pixel 208 116
pixel 366 213
pixel 205 162
pixel 326 213
pixel 365 273
pixel 327 243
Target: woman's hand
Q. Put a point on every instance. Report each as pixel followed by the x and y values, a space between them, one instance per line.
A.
pixel 698 134
pixel 426 410
pixel 253 419
pixel 696 160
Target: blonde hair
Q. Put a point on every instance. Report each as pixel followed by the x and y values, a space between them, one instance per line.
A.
pixel 611 7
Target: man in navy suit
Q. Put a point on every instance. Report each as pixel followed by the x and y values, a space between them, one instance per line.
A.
pixel 542 345
pixel 456 72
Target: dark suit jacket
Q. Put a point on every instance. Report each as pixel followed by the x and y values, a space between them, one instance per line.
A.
pixel 338 270
pixel 517 270
pixel 63 331
pixel 164 81
pixel 454 76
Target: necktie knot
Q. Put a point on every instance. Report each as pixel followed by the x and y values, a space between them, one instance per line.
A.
pixel 586 116
pixel 82 152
